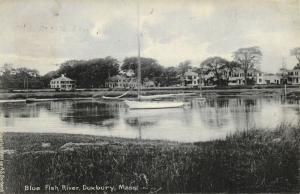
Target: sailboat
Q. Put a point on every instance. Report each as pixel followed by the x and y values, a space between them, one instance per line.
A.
pixel 139 103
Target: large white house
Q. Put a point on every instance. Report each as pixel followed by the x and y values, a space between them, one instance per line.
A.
pixel 190 78
pixel 62 83
pixel 267 78
pixel 237 76
pixel 294 76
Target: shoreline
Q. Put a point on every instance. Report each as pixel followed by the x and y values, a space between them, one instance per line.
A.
pixel 249 161
pixel 293 92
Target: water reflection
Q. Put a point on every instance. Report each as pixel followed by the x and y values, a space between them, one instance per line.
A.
pixel 12 110
pixel 88 112
pixel 201 121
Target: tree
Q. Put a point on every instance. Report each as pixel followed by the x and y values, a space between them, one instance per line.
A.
pixel 247 58
pixel 169 77
pixel 48 77
pixel 91 73
pixel 150 68
pixel 297 66
pixel 230 68
pixel 216 66
pixel 183 67
pixel 296 52
pixel 20 78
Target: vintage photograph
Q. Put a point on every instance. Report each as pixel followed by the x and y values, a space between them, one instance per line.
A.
pixel 149 96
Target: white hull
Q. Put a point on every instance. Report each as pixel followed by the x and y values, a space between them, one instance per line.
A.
pixel 152 104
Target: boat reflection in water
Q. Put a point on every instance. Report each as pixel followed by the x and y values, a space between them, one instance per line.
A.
pixel 213 119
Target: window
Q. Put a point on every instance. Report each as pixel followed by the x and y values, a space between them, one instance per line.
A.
pixel 260 80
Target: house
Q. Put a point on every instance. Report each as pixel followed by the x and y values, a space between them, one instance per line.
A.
pixel 62 83
pixel 121 81
pixel 237 77
pixel 294 76
pixel 190 78
pixel 267 78
pixel 259 78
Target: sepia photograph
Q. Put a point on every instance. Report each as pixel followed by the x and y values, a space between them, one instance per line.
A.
pixel 149 96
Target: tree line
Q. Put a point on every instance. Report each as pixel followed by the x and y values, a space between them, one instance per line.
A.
pixel 94 73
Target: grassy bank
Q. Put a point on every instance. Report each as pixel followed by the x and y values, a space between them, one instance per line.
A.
pixel 250 161
pixel 99 93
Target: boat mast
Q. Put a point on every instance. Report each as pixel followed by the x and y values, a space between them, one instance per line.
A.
pixel 139 82
pixel 26 86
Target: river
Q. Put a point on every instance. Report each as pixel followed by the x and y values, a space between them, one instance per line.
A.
pixel 197 121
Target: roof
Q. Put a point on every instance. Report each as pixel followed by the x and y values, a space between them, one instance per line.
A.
pixel 190 73
pixel 62 78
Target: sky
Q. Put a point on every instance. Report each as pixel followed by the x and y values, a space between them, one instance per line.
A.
pixel 42 34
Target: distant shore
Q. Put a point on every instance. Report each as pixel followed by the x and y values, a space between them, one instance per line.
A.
pixel 89 93
pixel 248 161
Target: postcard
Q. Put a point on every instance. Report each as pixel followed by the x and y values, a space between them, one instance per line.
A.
pixel 149 96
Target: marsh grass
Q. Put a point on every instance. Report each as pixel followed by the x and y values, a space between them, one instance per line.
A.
pixel 246 161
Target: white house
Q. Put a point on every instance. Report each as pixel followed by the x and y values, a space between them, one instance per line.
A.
pixel 294 76
pixel 270 78
pixel 190 78
pixel 62 83
pixel 120 81
pixel 237 76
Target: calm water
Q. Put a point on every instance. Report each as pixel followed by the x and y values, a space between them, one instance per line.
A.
pixel 213 119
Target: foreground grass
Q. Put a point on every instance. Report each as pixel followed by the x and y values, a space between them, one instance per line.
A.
pixel 249 161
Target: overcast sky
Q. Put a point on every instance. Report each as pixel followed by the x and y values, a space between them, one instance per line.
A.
pixel 40 34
